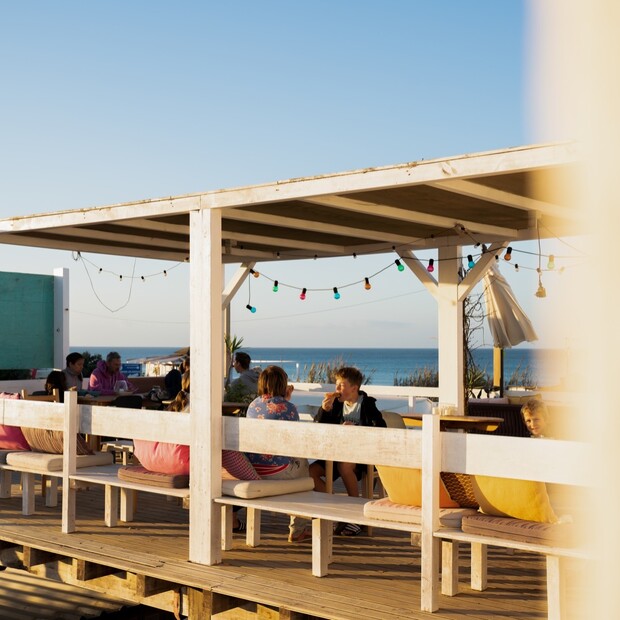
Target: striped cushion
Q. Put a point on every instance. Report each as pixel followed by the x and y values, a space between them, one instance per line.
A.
pixel 50 442
pixel 401 513
pixel 137 473
pixel 249 489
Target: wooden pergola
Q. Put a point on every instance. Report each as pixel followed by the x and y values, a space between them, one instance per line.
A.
pixel 493 198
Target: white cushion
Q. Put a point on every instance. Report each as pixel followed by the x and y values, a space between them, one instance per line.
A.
pixel 389 511
pixel 42 462
pixel 249 489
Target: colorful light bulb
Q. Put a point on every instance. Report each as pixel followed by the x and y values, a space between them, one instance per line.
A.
pixel 336 293
pixel 431 263
pixel 254 273
pixel 516 266
pixel 508 254
pixel 551 263
pixel 275 286
pixel 470 261
pixel 302 295
pixel 367 285
pixel 400 266
pixel 252 309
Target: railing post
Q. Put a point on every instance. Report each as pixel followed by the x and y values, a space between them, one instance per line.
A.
pixel 70 430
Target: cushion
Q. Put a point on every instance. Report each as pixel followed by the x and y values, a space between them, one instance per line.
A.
pixel 517 529
pixel 520 499
pixel 11 437
pixel 404 486
pixel 237 466
pixel 44 440
pixel 137 473
pixel 389 511
pixel 460 489
pixel 42 461
pixel 162 457
pixel 521 400
pixel 3 455
pixel 249 489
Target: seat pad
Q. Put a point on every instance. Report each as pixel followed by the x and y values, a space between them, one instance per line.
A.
pixel 142 475
pixel 389 511
pixel 249 489
pixel 44 462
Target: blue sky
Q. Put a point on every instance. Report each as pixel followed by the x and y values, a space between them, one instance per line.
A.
pixel 112 102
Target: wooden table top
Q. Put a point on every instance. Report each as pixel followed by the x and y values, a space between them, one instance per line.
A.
pixel 461 422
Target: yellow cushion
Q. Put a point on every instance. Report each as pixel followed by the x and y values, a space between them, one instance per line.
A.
pixel 404 486
pixel 521 400
pixel 520 499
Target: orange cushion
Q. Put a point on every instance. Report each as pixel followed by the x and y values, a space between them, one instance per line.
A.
pixel 404 486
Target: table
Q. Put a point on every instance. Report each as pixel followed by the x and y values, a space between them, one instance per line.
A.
pixel 234 409
pixel 461 422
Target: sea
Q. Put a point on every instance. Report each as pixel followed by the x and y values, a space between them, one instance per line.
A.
pixel 545 367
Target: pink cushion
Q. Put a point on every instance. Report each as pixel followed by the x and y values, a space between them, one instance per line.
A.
pixel 161 457
pixel 11 437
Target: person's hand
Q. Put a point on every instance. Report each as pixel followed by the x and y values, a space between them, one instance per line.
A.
pixel 328 400
pixel 348 423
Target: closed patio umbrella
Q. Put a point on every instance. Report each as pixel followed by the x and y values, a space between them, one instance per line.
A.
pixel 508 322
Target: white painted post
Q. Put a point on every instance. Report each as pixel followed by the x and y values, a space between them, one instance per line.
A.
pixel 61 316
pixel 206 336
pixel 70 430
pixel 450 329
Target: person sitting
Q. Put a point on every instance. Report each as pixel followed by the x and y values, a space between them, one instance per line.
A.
pixel 172 382
pixel 73 371
pixel 247 382
pixel 54 381
pixel 273 403
pixel 349 406
pixel 103 379
pixel 536 417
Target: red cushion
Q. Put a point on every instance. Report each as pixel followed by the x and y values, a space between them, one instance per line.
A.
pixel 165 458
pixel 11 437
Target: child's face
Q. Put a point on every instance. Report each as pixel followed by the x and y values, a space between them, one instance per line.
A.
pixel 535 423
pixel 348 391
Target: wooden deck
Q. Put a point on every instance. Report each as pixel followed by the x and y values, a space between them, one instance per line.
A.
pixel 374 578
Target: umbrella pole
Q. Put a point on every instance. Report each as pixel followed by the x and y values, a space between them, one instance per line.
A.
pixel 498 369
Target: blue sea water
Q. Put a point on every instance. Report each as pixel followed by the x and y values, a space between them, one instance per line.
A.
pixel 381 366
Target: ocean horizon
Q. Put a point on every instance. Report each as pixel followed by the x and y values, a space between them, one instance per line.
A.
pixel 380 365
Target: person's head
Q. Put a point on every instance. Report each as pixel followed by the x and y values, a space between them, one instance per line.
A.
pixel 348 382
pixel 113 362
pixel 241 361
pixel 56 380
pixel 536 417
pixel 75 363
pixel 181 400
pixel 273 381
pixel 185 381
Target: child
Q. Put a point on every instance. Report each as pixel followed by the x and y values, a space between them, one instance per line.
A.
pixel 536 417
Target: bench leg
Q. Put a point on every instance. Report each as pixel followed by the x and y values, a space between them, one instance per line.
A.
pixel 6 477
pixel 227 527
pixel 478 567
pixel 322 535
pixel 128 504
pixel 429 591
pixel 449 567
pixel 27 493
pixel 111 505
pixel 252 532
pixel 554 587
pixel 51 491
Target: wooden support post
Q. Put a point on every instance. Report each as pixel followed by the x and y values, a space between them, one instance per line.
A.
pixel 322 535
pixel 27 493
pixel 51 490
pixel 449 567
pixel 148 586
pixel 227 527
pixel 34 557
pixel 6 479
pixel 111 505
pixel 70 430
pixel 554 588
pixel 82 570
pixel 253 525
pixel 478 567
pixel 128 504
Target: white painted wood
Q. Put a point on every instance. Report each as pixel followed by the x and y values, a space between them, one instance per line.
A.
pixel 483 264
pixel 32 413
pixel 51 491
pixel 70 430
pixel 128 501
pixel 206 336
pixel 322 534
pixel 554 588
pixel 253 525
pixel 478 566
pixel 111 505
pixel 227 527
pixel 450 329
pixel 449 567
pixel 431 458
pixel 233 286
pixel 27 493
pixel 61 316
pixel 420 271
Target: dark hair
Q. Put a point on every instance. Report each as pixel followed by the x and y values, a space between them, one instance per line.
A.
pixel 350 374
pixel 244 359
pixel 56 380
pixel 72 358
pixel 273 381
pixel 112 355
pixel 181 400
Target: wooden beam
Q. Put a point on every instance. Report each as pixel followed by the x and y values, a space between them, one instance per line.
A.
pixel 33 557
pixel 148 586
pixel 311 246
pixel 83 570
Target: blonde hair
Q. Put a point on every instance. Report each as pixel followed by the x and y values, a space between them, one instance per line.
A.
pixel 181 401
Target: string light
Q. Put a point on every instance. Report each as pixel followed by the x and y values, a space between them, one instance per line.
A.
pixel 142 278
pixel 516 266
pixel 508 254
pixel 400 266
pixel 367 285
pixel 336 293
pixel 252 309
pixel 165 274
pixel 431 268
pixel 540 292
pixel 470 261
pixel 354 255
pixel 551 263
pixel 275 286
pixel 254 273
pixel 120 278
pixel 302 296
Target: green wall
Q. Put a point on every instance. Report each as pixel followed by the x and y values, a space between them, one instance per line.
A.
pixel 26 321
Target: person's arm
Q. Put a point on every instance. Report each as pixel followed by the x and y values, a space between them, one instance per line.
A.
pixel 95 384
pixel 372 412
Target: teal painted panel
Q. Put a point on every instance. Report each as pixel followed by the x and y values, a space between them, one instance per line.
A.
pixel 26 320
